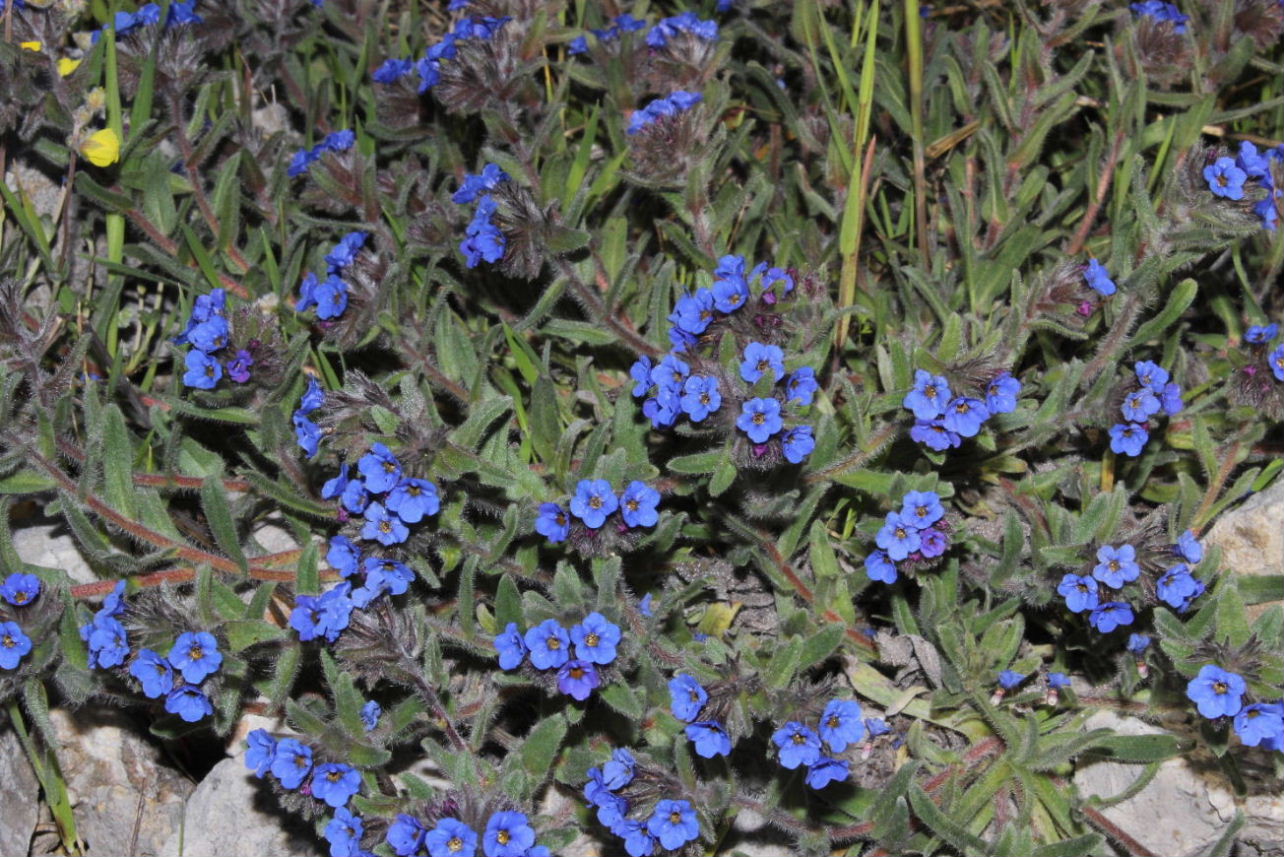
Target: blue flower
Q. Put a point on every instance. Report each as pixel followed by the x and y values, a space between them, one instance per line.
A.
pixel 760 419
pixel 899 537
pixel 1110 616
pixel 355 497
pixel 879 568
pixel 877 726
pixel 730 293
pixel 1261 334
pixel 1151 376
pixel 370 714
pixel 1079 592
pixel 664 408
pixel 383 526
pixel 668 28
pixel 932 542
pixel 508 834
pixel 552 522
pixel 841 724
pixel 1137 643
pixel 189 703
pixel 1261 723
pixel 760 358
pixel 1276 362
pixel 345 252
pixel 618 771
pixel 595 639
pixel 388 575
pixel 484 241
pixel 392 70
pixel 331 296
pixel 14 644
pixel 153 672
pixel 108 642
pixel 195 654
pixel 1058 680
pixel 578 679
pixel 1225 178
pixel 593 501
pixel 964 416
pixel 324 616
pixel 1096 276
pixel 826 771
pixel 1139 405
pixel 929 396
pixel 1008 679
pixel 301 161
pixel 380 469
pixel 638 505
pixel 306 433
pixel 474 186
pixel 452 838
pixel 934 435
pixel 671 373
pixel 203 371
pixel 798 745
pixel 686 697
pixel 1116 566
pixel 20 588
pixel 677 102
pixel 1216 692
pixel 344 833
pixel 637 842
pixel 694 313
pixel 238 368
pixel 921 509
pixel 700 397
pixel 343 556
pixel 1170 399
pixel 674 823
pixel 577 46
pixel 405 835
pixel 413 499
pixel 681 340
pixel 801 386
pixel 260 751
pixel 644 606
pixel 1189 548
pixel 640 372
pixel 335 784
pixel 1176 585
pixel 549 645
pixel 1128 439
pixel 210 335
pixel 710 739
pixel 798 443
pixel 292 762
pixel 511 647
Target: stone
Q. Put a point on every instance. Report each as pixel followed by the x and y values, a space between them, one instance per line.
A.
pixel 1251 537
pixel 125 798
pixel 50 545
pixel 20 809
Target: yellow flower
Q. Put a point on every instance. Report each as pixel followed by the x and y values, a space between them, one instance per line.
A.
pixel 102 148
pixel 31 46
pixel 66 66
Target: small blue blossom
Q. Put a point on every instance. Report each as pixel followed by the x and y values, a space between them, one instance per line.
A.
pixel 484 241
pixel 929 396
pixel 964 416
pixel 413 499
pixel 798 745
pixel 1189 548
pixel 760 358
pixel 674 823
pixel 760 419
pixel 195 654
pixel 1140 405
pixel 826 771
pixel 370 714
pixel 1151 375
pixel 1096 276
pixel 700 397
pixel 593 501
pixel 1116 566
pixel 686 697
pixel 343 556
pixel 405 835
pixel 210 335
pixel 841 724
pixel 1176 585
pixel 664 408
pixel 709 738
pixel 508 834
pixel 1110 616
pixel 383 526
pixel 380 469
pixel 688 22
pixel 879 568
pixel 577 46
pixel 1058 680
pixel 877 726
pixel 14 645
pixel 20 588
pixel 921 509
pixel 345 252
pixel 153 672
pixel 1161 11
pixel 307 434
pixel 1128 439
pixel 260 751
pixel 511 647
pixel 595 639
pixel 388 575
pixel 618 771
pixel 1216 692
pixel 392 70
pixel 1261 724
pixel 675 103
pixel 640 372
pixel 638 505
pixel 644 606
pixel 355 497
pixel 108 642
pixel 203 371
pixel 671 373
pixel 801 386
pixel 238 368
pixel 1170 399
pixel 1080 592
pixel 694 313
pixel 552 522
pixel 1261 334
pixel 331 296
pixel 932 542
pixel 335 784
pixel 474 186
pixel 637 842
pixel 934 435
pixel 1137 643
pixel 451 838
pixel 189 703
pixel 344 833
pixel 1225 178
pixel 1001 394
pixel 1276 362
pixel 578 679
pixel 338 141
pixel 899 537
pixel 549 645
pixel 1009 679
pixel 797 444
pixel 731 292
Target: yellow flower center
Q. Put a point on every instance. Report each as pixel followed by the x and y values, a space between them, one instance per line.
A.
pixel 334 776
pixel 799 738
pixel 675 817
pixel 554 643
pixel 195 653
pixel 455 843
pixel 8 642
pixel 1113 565
pixel 759 418
pixel 385 526
pixel 20 597
pixel 595 502
pixel 577 673
pixel 502 837
pixel 1220 687
pixel 591 639
pixel 834 722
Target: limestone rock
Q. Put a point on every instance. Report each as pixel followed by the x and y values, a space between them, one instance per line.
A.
pixel 50 545
pixel 1251 537
pixel 20 808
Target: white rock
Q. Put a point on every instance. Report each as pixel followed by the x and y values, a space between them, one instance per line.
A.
pixel 20 808
pixel 51 546
pixel 1251 537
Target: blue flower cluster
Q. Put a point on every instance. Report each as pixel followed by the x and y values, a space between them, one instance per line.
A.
pixel 336 141
pixel 1260 337
pixel 507 834
pixel 148 15
pixel 1154 392
pixel 1217 692
pixel 675 103
pixel 1161 11
pixel 429 66
pixel 687 699
pixel 840 726
pixel 483 241
pixel 108 642
pixel 942 419
pixel 625 23
pixel 594 501
pixel 549 646
pixel 671 825
pixel 208 333
pixel 306 432
pixel 291 762
pixel 20 590
pixel 1228 176
pixel 195 656
pixel 688 22
pixel 1096 276
pixel 330 296
pixel 916 532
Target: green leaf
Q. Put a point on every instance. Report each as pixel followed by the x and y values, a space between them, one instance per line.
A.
pixel 1138 748
pixel 722 478
pixel 539 750
pixel 243 633
pixel 508 603
pixel 784 664
pixel 696 463
pixel 118 463
pixel 623 699
pixel 219 517
pixel 943 825
pixel 1261 589
pixel 823 561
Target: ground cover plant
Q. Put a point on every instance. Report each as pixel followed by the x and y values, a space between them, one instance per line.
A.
pixel 805 408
